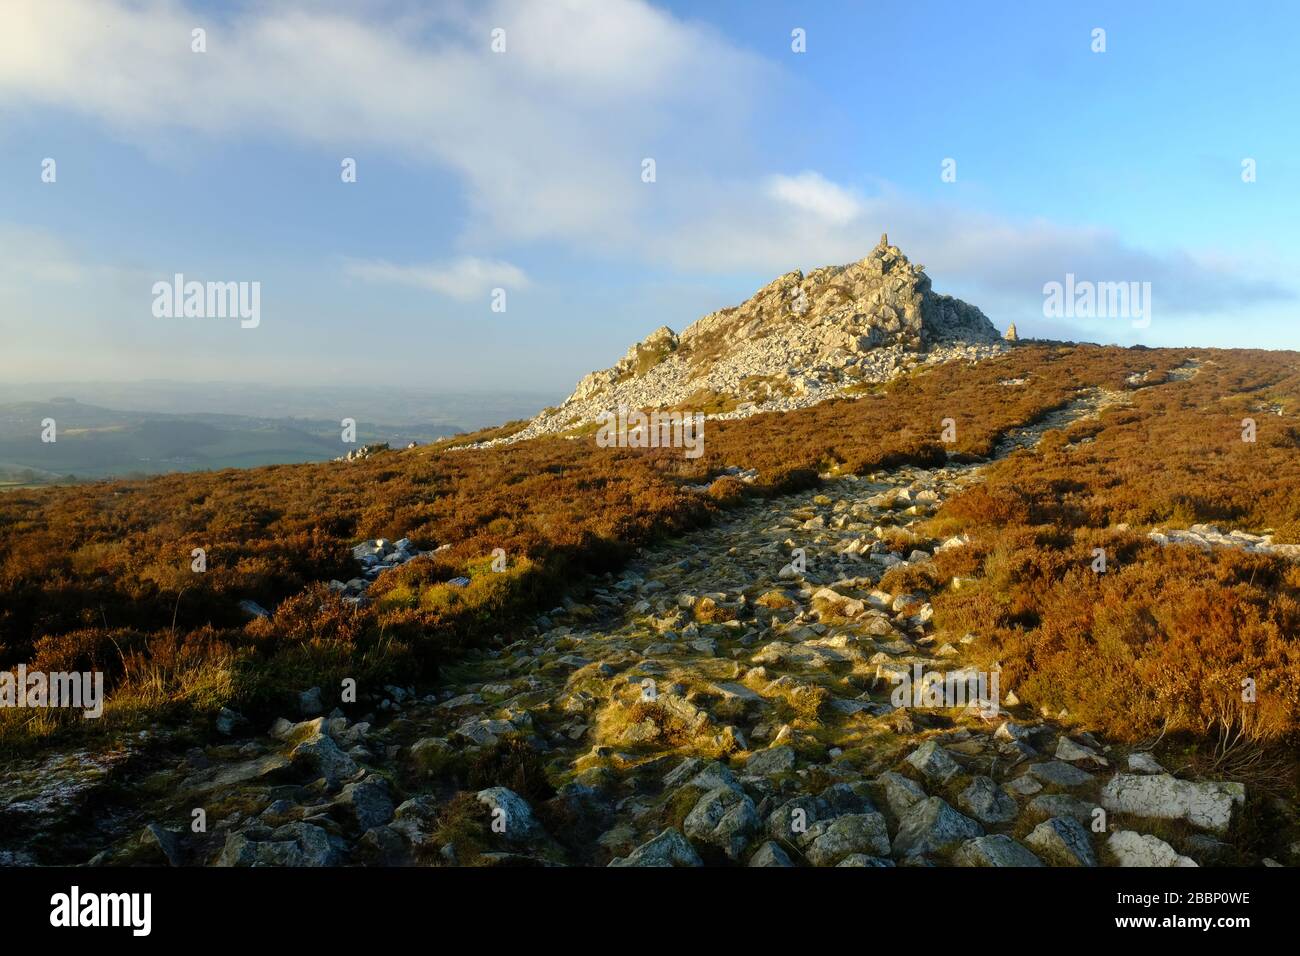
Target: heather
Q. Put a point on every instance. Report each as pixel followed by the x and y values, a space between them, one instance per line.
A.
pixel 100 575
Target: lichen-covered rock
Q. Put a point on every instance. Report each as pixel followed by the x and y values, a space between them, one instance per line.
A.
pixel 725 818
pixel 793 819
pixel 829 841
pixel 987 802
pixel 932 826
pixel 900 793
pixel 294 844
pixel 511 811
pixel 1206 805
pixel 863 860
pixel 669 848
pixel 934 762
pixel 1143 849
pixel 366 802
pixel 1060 774
pixel 774 761
pixel 322 756
pixel 165 843
pixel 1062 841
pixel 997 849
pixel 770 854
pixel 1062 805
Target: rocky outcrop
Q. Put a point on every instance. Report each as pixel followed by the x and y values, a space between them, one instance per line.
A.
pixel 375 556
pixel 1208 537
pixel 799 340
pixel 640 358
pixel 881 300
pixel 366 451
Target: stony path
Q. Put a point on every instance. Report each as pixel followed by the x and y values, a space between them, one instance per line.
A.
pixel 726 699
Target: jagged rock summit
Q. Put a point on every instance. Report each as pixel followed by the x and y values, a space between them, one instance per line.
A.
pixel 797 341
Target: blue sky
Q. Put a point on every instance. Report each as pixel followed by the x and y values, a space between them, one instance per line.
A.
pixel 522 170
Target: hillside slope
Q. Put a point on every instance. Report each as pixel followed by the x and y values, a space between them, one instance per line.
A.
pixel 773 679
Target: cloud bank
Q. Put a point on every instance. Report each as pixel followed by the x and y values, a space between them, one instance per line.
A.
pixel 546 138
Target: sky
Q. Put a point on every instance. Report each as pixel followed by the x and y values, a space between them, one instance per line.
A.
pixel 516 176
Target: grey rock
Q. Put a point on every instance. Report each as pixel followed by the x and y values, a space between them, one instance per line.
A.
pixel 1142 762
pixel 1062 805
pixel 383 846
pixel 294 844
pixel 426 751
pixel 1206 849
pixel 1012 731
pixel 319 754
pixel 167 843
pixel 770 854
pixel 793 819
pixel 367 802
pixel 846 797
pixel 1062 841
pixel 829 841
pixel 1143 849
pixel 1025 785
pixel 775 760
pixel 932 826
pixel 228 720
pixel 253 609
pixel 900 792
pixel 862 859
pixel 987 802
pixel 512 810
pixel 1205 805
pixel 935 763
pixel 669 848
pixel 882 311
pixel 484 733
pixel 997 849
pixel 712 776
pixel 725 818
pixel 1069 750
pixel 1060 774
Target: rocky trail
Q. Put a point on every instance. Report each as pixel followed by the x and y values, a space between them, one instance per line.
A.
pixel 725 699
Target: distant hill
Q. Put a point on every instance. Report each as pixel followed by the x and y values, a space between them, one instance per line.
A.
pixel 94 442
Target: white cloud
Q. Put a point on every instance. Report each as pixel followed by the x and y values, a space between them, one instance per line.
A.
pixel 546 139
pixel 465 278
pixel 813 193
pixel 999 263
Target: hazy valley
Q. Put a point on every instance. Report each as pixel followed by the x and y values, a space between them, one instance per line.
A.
pixel 94 441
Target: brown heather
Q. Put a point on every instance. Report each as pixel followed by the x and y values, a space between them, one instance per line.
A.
pixel 99 575
pixel 1162 641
